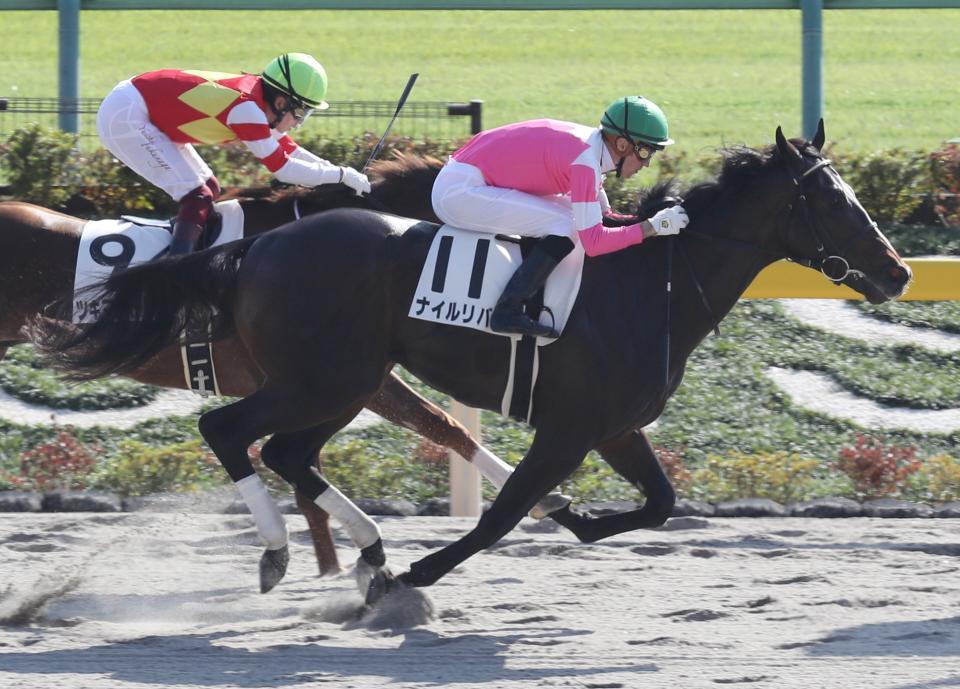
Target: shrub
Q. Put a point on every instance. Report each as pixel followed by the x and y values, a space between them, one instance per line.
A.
pixel 779 476
pixel 890 184
pixel 875 468
pixel 45 167
pixel 359 470
pixel 64 463
pixel 596 480
pixel 38 162
pixel 945 172
pixel 136 468
pixel 937 480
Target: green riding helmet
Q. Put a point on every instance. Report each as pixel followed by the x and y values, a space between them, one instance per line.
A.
pixel 638 119
pixel 299 76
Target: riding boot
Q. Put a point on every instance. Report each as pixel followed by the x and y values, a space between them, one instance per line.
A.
pixel 508 315
pixel 185 235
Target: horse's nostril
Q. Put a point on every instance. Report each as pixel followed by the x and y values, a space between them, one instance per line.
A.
pixel 900 273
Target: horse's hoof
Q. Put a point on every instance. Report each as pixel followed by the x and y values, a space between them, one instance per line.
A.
pixel 273 565
pixel 381 584
pixel 373 555
pixel 550 504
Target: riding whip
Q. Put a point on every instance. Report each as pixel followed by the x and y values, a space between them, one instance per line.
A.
pixel 403 99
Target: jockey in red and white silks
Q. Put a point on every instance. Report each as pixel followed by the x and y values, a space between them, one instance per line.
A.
pixel 150 122
pixel 545 177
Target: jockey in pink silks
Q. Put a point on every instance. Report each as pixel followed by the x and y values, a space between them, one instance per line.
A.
pixel 544 178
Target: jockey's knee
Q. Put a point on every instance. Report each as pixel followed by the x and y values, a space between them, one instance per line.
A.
pixel 556 246
pixel 213 184
pixel 196 205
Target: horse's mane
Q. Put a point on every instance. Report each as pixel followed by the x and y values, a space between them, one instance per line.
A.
pixel 742 169
pixel 409 167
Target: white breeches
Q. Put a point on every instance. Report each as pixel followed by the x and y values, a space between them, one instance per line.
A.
pixel 462 198
pixel 124 126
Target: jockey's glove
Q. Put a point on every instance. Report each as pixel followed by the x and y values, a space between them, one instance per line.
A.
pixel 669 221
pixel 355 180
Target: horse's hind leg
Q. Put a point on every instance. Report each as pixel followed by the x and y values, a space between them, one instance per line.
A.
pixel 291 456
pixel 632 456
pixel 230 430
pixel 318 522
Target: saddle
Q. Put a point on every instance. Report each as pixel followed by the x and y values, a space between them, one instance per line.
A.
pixel 208 237
pixel 108 245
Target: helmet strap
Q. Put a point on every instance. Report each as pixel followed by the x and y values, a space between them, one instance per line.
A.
pixel 278 114
pixel 619 167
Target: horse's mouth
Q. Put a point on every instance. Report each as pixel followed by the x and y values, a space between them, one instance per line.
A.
pixel 889 285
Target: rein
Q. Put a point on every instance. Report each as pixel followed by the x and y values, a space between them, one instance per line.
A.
pixel 819 263
pixel 373 203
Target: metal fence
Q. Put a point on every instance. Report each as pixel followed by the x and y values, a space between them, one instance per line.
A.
pixel 436 121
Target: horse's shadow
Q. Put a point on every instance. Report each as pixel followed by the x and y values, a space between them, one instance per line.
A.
pixel 423 657
pixel 908 638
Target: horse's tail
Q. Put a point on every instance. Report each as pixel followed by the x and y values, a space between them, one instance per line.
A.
pixel 145 308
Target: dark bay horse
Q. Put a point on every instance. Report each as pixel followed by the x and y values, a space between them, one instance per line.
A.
pixel 321 306
pixel 38 252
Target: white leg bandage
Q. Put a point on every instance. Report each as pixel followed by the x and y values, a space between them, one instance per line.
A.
pixel 363 531
pixel 270 523
pixel 492 467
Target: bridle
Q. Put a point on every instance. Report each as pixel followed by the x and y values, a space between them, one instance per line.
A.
pixel 823 259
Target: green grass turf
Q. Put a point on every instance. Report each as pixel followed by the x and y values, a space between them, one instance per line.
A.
pixel 722 76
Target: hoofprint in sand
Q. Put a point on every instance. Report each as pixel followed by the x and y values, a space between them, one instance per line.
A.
pixel 165 600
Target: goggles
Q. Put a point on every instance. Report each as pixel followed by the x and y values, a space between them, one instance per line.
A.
pixel 300 112
pixel 643 152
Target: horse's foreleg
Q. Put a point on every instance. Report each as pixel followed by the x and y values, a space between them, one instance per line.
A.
pixel 398 403
pixel 552 457
pixel 632 456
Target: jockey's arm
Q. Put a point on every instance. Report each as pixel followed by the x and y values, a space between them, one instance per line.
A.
pixel 300 153
pixel 279 153
pixel 587 197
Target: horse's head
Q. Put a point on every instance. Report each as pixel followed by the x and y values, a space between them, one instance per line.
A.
pixel 831 230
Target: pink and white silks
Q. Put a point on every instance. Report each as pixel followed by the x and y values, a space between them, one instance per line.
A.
pixel 533 179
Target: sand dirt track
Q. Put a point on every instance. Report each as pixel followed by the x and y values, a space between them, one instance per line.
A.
pixel 170 600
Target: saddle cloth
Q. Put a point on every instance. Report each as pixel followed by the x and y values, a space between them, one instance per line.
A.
pixel 109 244
pixel 465 273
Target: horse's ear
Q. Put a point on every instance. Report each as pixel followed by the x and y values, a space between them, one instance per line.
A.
pixel 819 138
pixel 787 149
